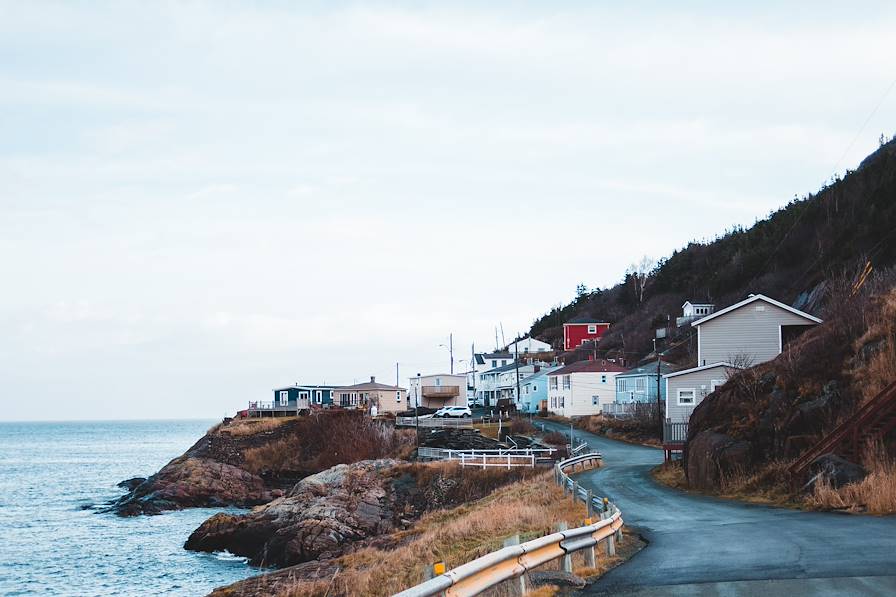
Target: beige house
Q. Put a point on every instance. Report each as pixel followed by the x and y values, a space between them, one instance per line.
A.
pixel 438 390
pixel 747 333
pixel 370 394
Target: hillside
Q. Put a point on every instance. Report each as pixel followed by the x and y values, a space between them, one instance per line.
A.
pixel 793 255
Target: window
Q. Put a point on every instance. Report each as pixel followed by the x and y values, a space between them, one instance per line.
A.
pixel 319 397
pixel 526 350
pixel 640 384
pixel 562 402
pixel 685 397
pixel 494 364
pixel 552 383
pixel 438 381
pixel 592 329
pixel 398 396
pixel 303 396
pixel 503 362
pixel 603 379
pixel 534 389
pixel 715 383
pixel 566 382
pixel 595 400
pixel 284 398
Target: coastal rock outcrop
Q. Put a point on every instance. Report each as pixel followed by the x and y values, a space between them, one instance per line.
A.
pixel 189 482
pixel 245 463
pixel 318 519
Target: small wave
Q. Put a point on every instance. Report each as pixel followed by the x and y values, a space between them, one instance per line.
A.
pixel 226 556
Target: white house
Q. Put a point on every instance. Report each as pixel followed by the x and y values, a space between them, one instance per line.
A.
pixel 692 311
pixel 528 345
pixel 484 386
pixel 582 388
pixel 747 333
pixel 438 390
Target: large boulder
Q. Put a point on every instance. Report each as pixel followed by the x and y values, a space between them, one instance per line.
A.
pixel 837 470
pixel 322 516
pixel 194 482
pixel 711 457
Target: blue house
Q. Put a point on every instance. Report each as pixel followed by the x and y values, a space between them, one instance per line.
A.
pixel 640 383
pixel 534 391
pixel 291 399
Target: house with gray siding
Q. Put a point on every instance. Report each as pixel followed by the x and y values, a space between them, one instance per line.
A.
pixel 745 334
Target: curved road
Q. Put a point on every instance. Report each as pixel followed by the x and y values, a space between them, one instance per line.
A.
pixel 708 546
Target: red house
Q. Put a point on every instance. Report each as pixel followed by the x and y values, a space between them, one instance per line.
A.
pixel 582 329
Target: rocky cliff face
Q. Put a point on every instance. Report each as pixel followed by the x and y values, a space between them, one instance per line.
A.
pixel 327 514
pixel 247 463
pixel 322 515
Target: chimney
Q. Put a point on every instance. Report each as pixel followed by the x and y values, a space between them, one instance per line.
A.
pixel 372 379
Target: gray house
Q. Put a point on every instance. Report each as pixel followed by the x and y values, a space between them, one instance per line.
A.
pixel 747 333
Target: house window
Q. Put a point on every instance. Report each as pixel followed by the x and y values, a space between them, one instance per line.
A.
pixel 595 400
pixel 534 388
pixel 562 402
pixel 284 398
pixel 303 396
pixel 397 396
pixel 565 382
pixel 685 397
pixel 494 364
pixel 592 329
pixel 319 397
pixel 715 383
pixel 640 384
pixel 503 362
pixel 552 383
pixel 603 379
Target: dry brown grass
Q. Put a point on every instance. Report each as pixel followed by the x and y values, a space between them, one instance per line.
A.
pixel 245 427
pixel 875 494
pixel 529 508
pixel 327 439
pixel 879 369
pixel 671 474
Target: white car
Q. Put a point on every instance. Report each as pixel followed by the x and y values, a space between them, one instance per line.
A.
pixel 453 411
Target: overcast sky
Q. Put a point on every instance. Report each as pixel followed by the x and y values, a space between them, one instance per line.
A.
pixel 202 201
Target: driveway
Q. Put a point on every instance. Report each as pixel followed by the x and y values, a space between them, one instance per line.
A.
pixel 707 546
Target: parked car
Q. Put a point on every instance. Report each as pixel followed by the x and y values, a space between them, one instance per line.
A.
pixel 454 411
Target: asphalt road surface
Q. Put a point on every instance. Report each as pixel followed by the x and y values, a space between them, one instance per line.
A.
pixel 707 546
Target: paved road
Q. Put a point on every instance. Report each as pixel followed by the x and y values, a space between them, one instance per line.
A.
pixel 706 546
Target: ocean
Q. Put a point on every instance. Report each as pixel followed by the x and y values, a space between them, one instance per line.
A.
pixel 51 545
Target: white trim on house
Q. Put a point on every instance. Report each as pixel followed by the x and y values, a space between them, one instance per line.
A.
pixel 715 384
pixel 753 298
pixel 284 397
pixel 702 367
pixel 693 399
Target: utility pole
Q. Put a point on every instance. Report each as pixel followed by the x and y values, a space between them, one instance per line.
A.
pixel 659 414
pixel 396 376
pixel 503 341
pixel 451 351
pixel 473 367
pixel 517 361
pixel 496 338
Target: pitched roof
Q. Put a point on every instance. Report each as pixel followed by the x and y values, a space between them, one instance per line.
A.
pixel 701 368
pixel 752 298
pixel 482 356
pixel 370 385
pixel 648 369
pixel 585 320
pixel 600 366
pixel 538 375
pixel 502 368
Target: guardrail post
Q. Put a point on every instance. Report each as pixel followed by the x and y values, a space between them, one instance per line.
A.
pixel 575 491
pixel 590 502
pixel 567 559
pixel 611 545
pixel 521 581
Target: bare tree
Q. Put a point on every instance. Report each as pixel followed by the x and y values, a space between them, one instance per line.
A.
pixel 640 274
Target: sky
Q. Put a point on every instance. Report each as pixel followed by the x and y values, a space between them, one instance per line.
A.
pixel 202 201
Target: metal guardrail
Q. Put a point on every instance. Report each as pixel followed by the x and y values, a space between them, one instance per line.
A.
pixel 515 561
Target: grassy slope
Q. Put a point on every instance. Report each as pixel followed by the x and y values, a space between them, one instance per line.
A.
pixel 529 508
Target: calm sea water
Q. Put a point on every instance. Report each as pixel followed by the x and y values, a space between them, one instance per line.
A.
pixel 50 545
